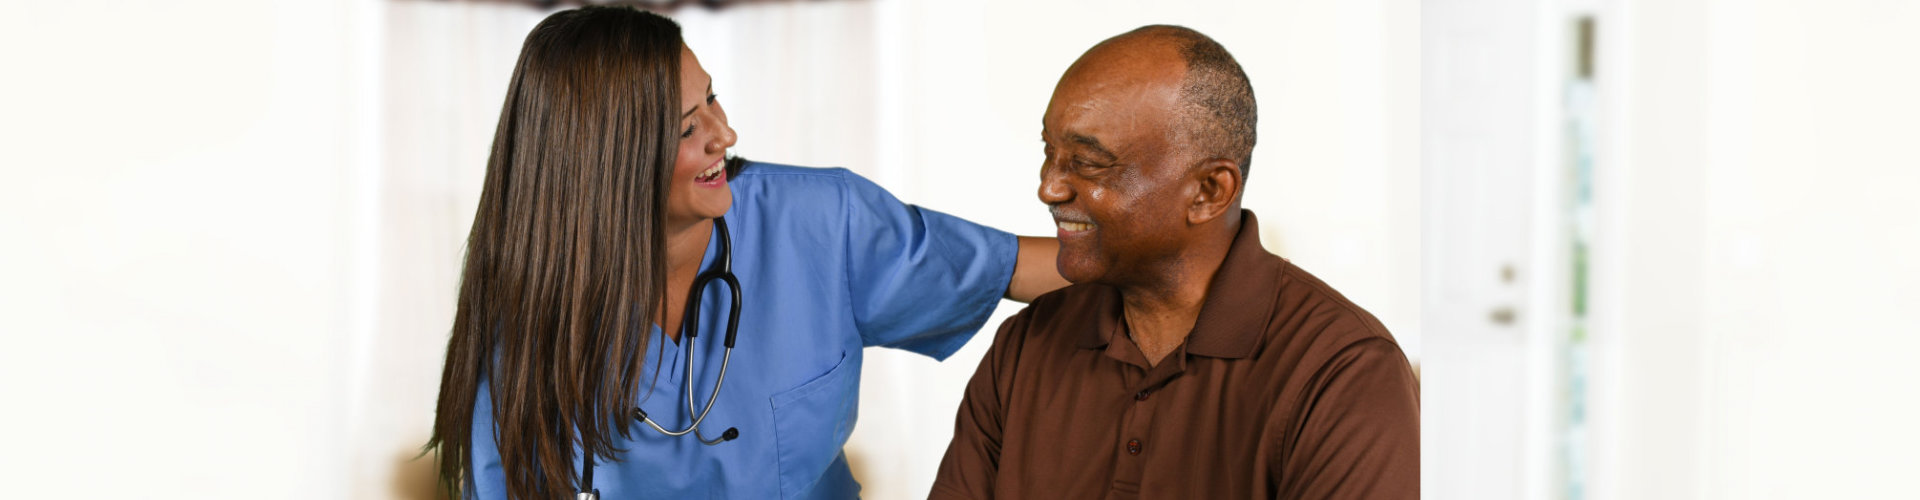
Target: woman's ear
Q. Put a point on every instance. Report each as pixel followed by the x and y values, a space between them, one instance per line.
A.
pixel 1219 182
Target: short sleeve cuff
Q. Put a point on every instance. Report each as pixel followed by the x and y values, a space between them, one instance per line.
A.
pixel 976 299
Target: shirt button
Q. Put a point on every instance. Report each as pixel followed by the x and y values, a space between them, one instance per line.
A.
pixel 1140 396
pixel 1133 447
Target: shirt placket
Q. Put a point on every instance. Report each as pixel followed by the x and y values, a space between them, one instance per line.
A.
pixel 1137 442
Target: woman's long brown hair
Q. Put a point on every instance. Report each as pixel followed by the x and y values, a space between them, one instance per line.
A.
pixel 566 263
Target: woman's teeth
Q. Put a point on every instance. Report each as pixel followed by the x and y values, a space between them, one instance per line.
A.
pixel 1074 226
pixel 711 173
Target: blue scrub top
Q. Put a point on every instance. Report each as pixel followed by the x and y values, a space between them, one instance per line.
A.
pixel 828 263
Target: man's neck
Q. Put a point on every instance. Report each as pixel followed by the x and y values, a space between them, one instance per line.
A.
pixel 1161 314
pixel 1159 323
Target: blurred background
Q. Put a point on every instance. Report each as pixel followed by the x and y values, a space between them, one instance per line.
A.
pixel 1638 249
pixel 234 226
pixel 1669 249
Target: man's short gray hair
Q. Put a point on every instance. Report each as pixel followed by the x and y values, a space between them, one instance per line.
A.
pixel 1220 111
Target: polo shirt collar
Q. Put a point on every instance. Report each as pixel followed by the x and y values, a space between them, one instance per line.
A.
pixel 1240 298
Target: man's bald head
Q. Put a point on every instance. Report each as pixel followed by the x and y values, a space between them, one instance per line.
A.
pixel 1218 112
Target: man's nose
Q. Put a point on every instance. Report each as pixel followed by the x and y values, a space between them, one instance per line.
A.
pixel 1053 186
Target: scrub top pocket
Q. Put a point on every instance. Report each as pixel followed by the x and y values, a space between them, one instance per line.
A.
pixel 812 421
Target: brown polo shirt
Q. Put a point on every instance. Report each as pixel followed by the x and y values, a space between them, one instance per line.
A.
pixel 1285 389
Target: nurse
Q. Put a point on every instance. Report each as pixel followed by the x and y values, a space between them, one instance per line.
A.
pixel 605 196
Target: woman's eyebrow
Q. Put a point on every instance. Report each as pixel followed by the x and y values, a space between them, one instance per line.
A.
pixel 689 112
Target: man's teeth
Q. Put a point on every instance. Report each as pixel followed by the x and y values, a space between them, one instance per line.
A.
pixel 1074 226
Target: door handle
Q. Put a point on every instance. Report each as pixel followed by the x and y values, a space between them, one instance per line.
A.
pixel 1502 315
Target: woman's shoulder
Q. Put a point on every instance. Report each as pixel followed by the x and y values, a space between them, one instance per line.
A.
pixel 783 192
pixel 762 172
pixel 798 184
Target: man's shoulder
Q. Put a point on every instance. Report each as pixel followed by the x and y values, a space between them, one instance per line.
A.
pixel 1310 314
pixel 1073 304
pixel 1074 296
pixel 1061 316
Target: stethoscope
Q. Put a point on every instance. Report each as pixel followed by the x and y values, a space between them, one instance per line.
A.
pixel 724 273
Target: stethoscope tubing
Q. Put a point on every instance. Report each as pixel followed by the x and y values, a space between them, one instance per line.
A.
pixel 694 427
pixel 692 319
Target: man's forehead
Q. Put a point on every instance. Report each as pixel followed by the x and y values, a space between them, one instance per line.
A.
pixel 1130 67
pixel 1107 99
pixel 1145 56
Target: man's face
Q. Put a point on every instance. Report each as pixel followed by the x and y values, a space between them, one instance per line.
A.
pixel 1113 178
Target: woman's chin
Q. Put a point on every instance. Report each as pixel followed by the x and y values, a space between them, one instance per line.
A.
pixel 703 207
pixel 718 206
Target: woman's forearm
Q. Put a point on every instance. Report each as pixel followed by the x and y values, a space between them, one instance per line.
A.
pixel 1035 272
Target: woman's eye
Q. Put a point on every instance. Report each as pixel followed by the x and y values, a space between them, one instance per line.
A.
pixel 712 97
pixel 688 133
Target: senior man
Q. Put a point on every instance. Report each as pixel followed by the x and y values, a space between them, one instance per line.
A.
pixel 1185 361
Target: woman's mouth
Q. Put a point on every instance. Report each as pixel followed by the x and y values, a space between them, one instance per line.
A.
pixel 714 175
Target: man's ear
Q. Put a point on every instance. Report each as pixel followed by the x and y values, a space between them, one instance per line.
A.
pixel 1219 181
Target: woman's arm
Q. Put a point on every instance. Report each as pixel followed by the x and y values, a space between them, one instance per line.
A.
pixel 1035 272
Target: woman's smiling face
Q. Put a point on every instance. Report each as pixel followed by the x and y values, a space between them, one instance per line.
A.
pixel 698 190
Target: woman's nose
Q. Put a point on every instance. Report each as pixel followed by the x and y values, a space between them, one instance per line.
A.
pixel 725 139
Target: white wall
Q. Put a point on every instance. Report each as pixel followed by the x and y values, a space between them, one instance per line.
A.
pixel 1753 275
pixel 179 211
pixel 1765 232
